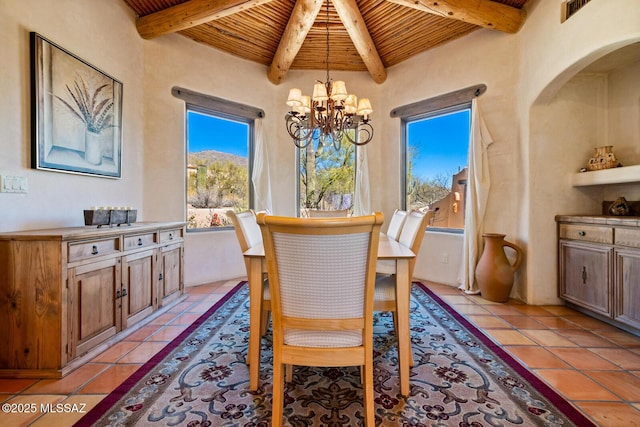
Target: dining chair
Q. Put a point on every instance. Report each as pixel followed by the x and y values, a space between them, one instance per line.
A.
pixel 396 223
pixel 411 236
pixel 322 278
pixel 249 235
pixel 319 213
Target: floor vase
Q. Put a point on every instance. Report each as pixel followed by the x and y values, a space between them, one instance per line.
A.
pixel 494 272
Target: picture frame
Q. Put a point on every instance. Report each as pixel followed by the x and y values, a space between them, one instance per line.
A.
pixel 76 113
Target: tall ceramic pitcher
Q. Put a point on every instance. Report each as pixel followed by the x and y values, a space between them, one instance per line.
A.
pixel 494 272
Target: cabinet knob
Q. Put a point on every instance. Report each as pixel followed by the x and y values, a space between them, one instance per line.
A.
pixel 118 294
pixel 124 292
pixel 160 277
pixel 584 275
pixel 170 236
pixel 581 233
pixel 139 242
pixel 94 250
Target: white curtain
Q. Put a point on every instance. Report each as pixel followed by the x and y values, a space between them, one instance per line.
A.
pixel 260 177
pixel 362 196
pixel 478 185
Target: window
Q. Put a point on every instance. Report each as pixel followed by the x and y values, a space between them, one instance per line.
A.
pixel 218 167
pixel 436 163
pixel 326 176
pixel 219 145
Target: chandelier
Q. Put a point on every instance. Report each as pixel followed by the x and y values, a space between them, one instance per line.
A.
pixel 329 114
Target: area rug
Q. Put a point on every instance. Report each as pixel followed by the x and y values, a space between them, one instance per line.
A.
pixel 460 378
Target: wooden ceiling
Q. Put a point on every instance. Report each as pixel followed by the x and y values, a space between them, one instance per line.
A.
pixel 364 35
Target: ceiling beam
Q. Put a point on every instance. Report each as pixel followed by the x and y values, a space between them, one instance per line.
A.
pixel 485 13
pixel 354 23
pixel 300 22
pixel 189 14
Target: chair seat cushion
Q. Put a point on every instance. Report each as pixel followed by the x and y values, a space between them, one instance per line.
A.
pixel 385 288
pixel 324 339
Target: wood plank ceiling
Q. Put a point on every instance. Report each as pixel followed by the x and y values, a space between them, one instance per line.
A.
pixel 364 35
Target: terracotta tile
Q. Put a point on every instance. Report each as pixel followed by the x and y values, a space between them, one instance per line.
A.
pixel 471 309
pixel 201 307
pixel 585 338
pixel 107 381
pixel 588 322
pixel 15 385
pixel 581 358
pixel 503 310
pixel 509 337
pixel 489 322
pixel 610 414
pixel 180 307
pixel 186 319
pixel 624 384
pixel 575 385
pixel 456 300
pixel 164 319
pixel 70 383
pixel 621 338
pixel 537 357
pixel 34 402
pixel 557 323
pixel 559 310
pixel 115 352
pixel 547 338
pixel 524 322
pixel 619 356
pixel 143 352
pixel 77 405
pixel 143 333
pixel 532 310
pixel 168 333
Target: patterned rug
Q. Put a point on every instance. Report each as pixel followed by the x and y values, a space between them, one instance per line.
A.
pixel 460 378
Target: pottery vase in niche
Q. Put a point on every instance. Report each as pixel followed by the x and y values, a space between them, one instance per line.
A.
pixel 494 272
pixel 603 158
pixel 620 207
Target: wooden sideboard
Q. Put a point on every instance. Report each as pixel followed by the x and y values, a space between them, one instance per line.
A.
pixel 599 267
pixel 68 293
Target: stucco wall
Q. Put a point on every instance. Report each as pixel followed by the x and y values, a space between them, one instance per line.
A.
pixel 102 33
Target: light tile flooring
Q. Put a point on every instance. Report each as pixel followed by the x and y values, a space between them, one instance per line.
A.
pixel 593 365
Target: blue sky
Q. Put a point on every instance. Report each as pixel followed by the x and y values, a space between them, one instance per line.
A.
pixel 203 130
pixel 443 144
pixel 443 141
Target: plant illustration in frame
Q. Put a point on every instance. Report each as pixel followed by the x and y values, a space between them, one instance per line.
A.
pixel 76 113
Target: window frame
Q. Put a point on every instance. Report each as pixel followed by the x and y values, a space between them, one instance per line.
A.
pixel 404 122
pixel 226 110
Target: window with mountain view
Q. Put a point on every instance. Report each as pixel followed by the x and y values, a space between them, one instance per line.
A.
pixel 437 145
pixel 326 176
pixel 218 167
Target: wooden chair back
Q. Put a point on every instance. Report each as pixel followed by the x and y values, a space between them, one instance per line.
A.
pixel 322 278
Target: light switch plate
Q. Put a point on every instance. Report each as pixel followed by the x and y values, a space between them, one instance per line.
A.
pixel 13 184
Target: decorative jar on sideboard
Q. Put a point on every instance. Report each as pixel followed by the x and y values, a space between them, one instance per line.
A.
pixel 494 272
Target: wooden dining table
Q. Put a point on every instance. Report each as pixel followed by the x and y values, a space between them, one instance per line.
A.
pixel 393 258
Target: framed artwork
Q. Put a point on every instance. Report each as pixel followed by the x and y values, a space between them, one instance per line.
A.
pixel 76 114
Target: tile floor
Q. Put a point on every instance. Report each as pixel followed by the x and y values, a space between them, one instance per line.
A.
pixel 593 365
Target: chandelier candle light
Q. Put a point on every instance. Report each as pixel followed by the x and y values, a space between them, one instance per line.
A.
pixel 328 113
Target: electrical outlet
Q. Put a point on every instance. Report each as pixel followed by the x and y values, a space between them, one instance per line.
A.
pixel 13 184
pixel 444 258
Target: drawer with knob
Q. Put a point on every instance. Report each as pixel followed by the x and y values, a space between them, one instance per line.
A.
pixel 168 236
pixel 139 241
pixel 587 233
pixel 628 237
pixel 93 249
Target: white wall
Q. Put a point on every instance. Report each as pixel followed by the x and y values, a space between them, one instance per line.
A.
pixel 102 33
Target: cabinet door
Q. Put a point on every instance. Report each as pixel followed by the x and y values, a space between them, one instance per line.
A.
pixel 171 275
pixel 627 284
pixel 585 275
pixel 138 293
pixel 94 309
